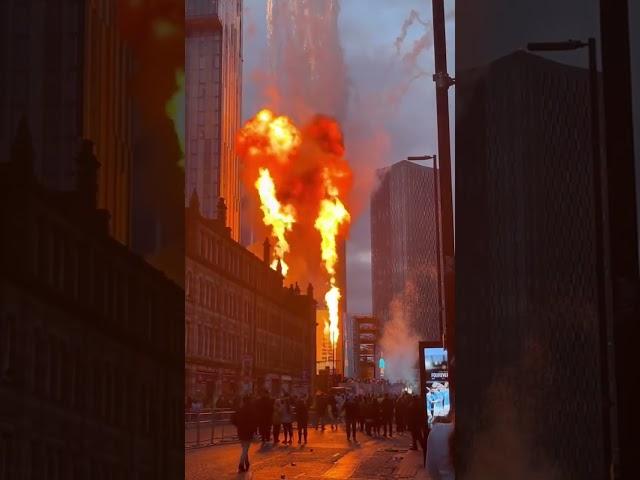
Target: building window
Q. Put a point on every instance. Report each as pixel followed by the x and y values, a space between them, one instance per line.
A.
pixel 7 347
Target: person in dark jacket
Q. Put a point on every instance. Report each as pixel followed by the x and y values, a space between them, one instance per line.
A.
pixel 321 410
pixel 351 414
pixel 333 411
pixel 401 408
pixel 361 412
pixel 302 419
pixel 264 412
pixel 243 420
pixel 370 413
pixel 387 415
pixel 416 422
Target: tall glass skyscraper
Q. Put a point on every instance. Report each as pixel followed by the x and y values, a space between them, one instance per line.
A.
pixel 404 249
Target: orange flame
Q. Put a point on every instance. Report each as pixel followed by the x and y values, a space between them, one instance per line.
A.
pixel 270 135
pixel 275 215
pixel 303 178
pixel 331 216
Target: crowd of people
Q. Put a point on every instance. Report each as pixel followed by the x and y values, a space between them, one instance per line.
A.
pixel 267 418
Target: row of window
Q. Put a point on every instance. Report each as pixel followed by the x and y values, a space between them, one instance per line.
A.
pixel 83 275
pixel 50 368
pixel 218 299
pixel 49 460
pixel 204 341
pixel 278 354
pixel 234 261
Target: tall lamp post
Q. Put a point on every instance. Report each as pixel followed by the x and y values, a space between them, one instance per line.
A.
pixel 599 168
pixel 443 82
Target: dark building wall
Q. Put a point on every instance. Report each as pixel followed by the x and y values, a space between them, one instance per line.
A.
pixel 67 70
pixel 403 249
pixel 527 325
pixel 91 343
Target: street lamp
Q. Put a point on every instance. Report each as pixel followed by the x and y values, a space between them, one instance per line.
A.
pixel 599 168
pixel 419 158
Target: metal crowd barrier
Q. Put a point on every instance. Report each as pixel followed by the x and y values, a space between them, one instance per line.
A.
pixel 205 428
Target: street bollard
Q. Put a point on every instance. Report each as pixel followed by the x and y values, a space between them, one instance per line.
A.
pixel 197 429
pixel 213 425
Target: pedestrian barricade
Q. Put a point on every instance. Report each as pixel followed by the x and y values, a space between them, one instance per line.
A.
pixel 205 428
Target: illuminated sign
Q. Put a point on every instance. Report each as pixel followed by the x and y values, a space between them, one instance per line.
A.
pixel 434 379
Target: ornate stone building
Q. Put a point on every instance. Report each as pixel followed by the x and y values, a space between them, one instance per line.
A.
pixel 244 329
pixel 91 337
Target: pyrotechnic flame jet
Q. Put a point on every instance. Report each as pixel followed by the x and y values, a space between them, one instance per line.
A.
pixel 331 216
pixel 277 216
pixel 270 138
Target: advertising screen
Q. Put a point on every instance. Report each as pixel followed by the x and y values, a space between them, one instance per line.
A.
pixel 435 380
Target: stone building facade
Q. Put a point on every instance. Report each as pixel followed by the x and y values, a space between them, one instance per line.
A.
pixel 244 330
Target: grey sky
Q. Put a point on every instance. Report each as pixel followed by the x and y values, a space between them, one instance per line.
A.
pixel 368 30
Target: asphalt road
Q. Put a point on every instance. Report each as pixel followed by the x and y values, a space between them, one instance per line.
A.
pixel 328 455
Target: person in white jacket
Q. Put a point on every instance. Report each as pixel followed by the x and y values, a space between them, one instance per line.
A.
pixel 439 454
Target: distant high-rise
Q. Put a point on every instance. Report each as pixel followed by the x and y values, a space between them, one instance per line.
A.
pixel 526 287
pixel 404 249
pixel 213 88
pixel 67 71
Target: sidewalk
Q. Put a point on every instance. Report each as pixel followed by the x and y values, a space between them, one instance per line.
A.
pixel 328 455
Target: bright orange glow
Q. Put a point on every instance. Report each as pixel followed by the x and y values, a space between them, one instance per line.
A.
pixel 275 215
pixel 331 216
pixel 302 178
pixel 270 135
pixel 332 297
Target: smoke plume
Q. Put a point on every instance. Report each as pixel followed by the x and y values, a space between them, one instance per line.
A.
pixel 399 343
pixel 413 17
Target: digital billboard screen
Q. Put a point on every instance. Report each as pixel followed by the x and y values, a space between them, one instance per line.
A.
pixel 434 377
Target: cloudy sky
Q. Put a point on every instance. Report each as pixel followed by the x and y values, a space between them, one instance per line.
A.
pixel 368 31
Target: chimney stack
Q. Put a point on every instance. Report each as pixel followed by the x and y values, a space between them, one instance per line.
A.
pixel 222 212
pixel 266 252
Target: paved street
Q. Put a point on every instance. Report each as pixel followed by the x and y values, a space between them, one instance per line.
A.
pixel 328 455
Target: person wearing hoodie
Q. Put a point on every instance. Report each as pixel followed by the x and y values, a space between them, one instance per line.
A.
pixel 302 419
pixel 287 420
pixel 276 420
pixel 351 413
pixel 264 410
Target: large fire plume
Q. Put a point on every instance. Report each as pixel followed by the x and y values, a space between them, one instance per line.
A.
pixel 280 218
pixel 302 180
